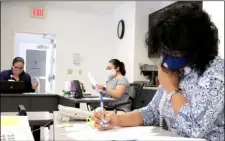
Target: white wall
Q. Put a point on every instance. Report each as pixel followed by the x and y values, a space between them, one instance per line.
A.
pixel 216 10
pixel 89 28
pixel 86 30
pixel 143 9
pixel 125 47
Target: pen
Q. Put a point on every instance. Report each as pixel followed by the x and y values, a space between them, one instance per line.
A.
pixel 103 122
pixel 102 109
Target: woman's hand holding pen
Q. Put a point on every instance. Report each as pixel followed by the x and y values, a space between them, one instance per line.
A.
pixel 110 117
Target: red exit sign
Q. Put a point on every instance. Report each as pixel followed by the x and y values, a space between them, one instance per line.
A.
pixel 38 12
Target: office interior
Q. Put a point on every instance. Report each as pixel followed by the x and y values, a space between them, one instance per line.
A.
pixel 75 38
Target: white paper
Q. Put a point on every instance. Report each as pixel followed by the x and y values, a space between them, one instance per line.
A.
pixel 156 137
pixel 39 84
pixel 86 132
pixel 76 58
pixel 21 131
pixel 128 133
pixel 91 79
pixel 37 79
pixel 77 128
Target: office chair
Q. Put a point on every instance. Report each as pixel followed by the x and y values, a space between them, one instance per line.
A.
pixel 135 90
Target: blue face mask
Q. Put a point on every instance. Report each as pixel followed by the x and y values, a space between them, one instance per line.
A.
pixel 175 63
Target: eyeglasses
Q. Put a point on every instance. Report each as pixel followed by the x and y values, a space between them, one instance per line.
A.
pixel 18 68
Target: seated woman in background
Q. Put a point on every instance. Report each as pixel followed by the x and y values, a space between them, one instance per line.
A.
pixel 16 73
pixel 190 97
pixel 117 85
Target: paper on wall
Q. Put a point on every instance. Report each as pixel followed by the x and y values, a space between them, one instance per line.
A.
pixel 91 79
pixel 76 58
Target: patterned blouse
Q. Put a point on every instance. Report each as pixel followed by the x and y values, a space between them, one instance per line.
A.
pixel 203 115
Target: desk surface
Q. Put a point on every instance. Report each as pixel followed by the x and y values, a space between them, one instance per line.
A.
pixel 87 100
pixel 76 100
pixel 59 131
pixel 35 118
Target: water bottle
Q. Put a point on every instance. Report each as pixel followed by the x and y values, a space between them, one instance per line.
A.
pixel 67 88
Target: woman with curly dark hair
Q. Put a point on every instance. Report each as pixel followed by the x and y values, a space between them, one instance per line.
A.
pixel 190 97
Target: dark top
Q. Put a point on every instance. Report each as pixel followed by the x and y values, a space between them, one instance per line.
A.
pixel 7 75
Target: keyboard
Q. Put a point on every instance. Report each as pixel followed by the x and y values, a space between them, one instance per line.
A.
pixel 90 96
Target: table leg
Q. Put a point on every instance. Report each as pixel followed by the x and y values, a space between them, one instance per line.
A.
pixel 36 133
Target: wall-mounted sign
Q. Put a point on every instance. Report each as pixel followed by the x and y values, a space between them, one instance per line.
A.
pixel 38 12
pixel 76 58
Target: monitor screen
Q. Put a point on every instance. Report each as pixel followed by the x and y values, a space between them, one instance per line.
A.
pixel 13 87
pixel 153 18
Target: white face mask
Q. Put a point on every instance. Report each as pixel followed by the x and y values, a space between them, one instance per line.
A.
pixel 111 73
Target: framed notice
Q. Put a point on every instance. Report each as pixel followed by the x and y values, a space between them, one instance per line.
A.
pixel 76 58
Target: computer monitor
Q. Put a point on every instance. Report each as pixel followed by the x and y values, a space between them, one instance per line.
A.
pixel 79 93
pixel 13 87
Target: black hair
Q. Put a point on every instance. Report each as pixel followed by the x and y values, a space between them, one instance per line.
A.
pixel 185 30
pixel 117 63
pixel 17 59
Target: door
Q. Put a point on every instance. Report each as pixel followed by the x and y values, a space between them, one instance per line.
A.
pixel 36 66
pixel 40 63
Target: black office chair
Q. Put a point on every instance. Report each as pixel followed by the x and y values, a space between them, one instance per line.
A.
pixel 135 90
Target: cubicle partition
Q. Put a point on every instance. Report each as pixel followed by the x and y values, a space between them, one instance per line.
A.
pixel 49 102
pixel 32 102
pixel 42 102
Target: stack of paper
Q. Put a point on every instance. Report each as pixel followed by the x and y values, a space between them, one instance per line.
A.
pixel 15 128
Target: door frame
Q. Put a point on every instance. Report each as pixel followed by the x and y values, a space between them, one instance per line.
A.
pixel 28 32
pixel 14 32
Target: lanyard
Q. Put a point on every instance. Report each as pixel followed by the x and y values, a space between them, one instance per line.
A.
pixel 161 105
